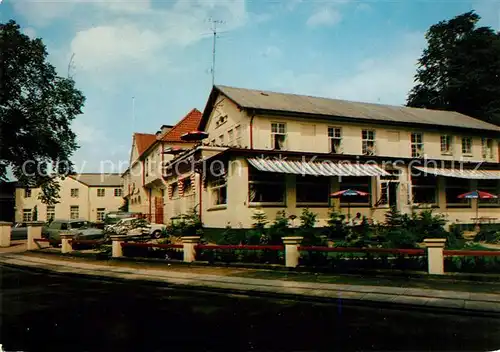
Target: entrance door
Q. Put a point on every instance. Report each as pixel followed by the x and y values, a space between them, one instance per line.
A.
pixel 159 210
pixel 393 194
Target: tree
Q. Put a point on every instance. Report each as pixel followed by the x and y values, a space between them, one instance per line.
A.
pixel 36 110
pixel 460 69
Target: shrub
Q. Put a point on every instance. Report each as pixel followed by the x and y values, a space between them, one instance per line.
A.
pixel 306 228
pixel 400 238
pixel 488 236
pixel 278 229
pixel 336 225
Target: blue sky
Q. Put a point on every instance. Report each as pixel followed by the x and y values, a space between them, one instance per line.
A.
pixel 160 53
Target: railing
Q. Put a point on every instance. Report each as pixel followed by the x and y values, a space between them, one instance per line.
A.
pixel 363 250
pixel 260 254
pixel 465 253
pixel 151 245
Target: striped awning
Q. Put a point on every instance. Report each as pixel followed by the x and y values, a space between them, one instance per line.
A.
pixel 314 168
pixel 461 173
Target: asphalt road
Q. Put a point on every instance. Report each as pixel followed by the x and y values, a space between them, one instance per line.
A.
pixel 41 312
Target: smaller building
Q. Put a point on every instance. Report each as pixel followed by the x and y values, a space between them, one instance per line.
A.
pixel 83 196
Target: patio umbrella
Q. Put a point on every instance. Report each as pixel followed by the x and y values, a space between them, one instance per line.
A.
pixel 349 193
pixel 477 195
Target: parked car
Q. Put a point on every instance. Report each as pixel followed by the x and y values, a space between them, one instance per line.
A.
pixel 81 228
pixel 19 231
pixel 136 227
pixel 113 217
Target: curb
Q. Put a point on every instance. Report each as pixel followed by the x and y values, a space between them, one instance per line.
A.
pixel 268 295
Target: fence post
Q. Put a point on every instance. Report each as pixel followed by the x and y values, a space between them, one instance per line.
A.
pixel 435 256
pixel 66 246
pixel 116 245
pixel 5 233
pixel 34 233
pixel 188 244
pixel 292 253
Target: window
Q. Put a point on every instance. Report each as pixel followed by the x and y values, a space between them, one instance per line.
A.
pixel 27 193
pixel 466 145
pixel 230 135
pixel 100 214
pixel 118 192
pixel 212 142
pixel 335 139
pixel 455 187
pixel 187 186
pixel 51 212
pixel 221 139
pixel 368 142
pixel 74 192
pixel 487 148
pixel 490 186
pixel 237 135
pixel 312 190
pixel 101 192
pixel 174 190
pixel 359 184
pixel 424 189
pixel 417 145
pixel 146 167
pixel 218 191
pixel 26 215
pixel 446 141
pixel 266 187
pixel 74 212
pixel 278 136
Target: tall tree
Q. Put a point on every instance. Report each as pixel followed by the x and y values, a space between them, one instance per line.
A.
pixel 36 110
pixel 460 69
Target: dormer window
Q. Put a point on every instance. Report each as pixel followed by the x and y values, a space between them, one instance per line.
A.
pixel 278 136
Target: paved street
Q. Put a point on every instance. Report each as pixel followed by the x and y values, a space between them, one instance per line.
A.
pixel 53 312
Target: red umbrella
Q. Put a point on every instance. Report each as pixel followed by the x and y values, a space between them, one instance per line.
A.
pixel 477 195
pixel 349 193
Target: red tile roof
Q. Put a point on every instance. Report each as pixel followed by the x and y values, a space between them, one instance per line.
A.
pixel 143 141
pixel 189 123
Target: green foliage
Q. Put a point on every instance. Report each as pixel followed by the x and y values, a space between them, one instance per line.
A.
pixel 394 218
pixel 278 229
pixel 459 68
pixel 488 236
pixel 188 224
pixel 308 220
pixel 337 227
pixel 37 108
pixel 400 238
pixel 35 213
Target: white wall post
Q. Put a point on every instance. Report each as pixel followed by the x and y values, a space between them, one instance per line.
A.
pixel 5 233
pixel 34 233
pixel 189 243
pixel 435 256
pixel 116 246
pixel 292 253
pixel 66 246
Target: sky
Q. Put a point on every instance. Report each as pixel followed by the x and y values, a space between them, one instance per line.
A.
pixel 145 63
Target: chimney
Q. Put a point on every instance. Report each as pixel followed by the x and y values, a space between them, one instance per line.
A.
pixel 158 134
pixel 166 128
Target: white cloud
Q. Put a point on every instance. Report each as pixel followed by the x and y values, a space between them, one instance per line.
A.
pixel 324 16
pixel 363 6
pixel 272 52
pixel 385 79
pixel 30 32
pixel 85 132
pixel 146 39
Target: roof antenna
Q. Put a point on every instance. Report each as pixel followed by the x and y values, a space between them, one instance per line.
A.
pixel 214 31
